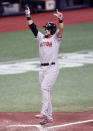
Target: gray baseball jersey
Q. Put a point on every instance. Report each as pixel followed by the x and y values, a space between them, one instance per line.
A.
pixel 48 48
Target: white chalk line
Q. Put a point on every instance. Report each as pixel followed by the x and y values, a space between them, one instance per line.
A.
pixel 19 125
pixel 58 126
pixel 69 124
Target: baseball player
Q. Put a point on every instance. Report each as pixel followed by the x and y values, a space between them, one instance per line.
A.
pixel 48 50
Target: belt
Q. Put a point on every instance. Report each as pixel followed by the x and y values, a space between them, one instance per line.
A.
pixel 47 64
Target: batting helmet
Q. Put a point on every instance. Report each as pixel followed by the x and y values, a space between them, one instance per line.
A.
pixel 51 27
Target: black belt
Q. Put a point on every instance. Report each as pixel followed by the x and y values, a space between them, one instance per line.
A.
pixel 47 64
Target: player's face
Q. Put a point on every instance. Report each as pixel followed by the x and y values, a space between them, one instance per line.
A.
pixel 47 32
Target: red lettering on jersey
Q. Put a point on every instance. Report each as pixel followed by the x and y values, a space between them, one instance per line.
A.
pixel 46 44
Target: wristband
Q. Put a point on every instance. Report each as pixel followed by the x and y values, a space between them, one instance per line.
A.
pixel 60 21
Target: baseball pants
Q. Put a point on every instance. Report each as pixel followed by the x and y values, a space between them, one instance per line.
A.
pixel 47 78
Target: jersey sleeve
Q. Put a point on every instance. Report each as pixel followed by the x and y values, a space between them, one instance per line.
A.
pixel 39 36
pixel 57 38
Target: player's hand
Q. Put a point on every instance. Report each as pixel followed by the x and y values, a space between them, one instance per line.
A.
pixel 27 11
pixel 58 14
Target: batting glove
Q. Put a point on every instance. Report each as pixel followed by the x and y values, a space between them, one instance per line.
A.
pixel 59 15
pixel 27 12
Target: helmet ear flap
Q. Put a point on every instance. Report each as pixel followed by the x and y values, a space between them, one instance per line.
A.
pixel 53 30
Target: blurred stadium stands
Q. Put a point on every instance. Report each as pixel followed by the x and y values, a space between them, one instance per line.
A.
pixel 16 7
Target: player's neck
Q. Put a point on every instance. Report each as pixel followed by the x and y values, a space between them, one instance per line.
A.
pixel 48 36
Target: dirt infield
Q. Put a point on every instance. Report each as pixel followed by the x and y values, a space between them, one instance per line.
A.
pixel 25 121
pixel 17 23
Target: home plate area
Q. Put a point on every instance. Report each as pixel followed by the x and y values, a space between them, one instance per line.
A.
pixel 25 121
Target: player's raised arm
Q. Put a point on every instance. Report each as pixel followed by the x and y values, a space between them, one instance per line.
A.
pixel 59 15
pixel 31 24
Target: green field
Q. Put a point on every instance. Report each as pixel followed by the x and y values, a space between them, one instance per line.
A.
pixel 73 90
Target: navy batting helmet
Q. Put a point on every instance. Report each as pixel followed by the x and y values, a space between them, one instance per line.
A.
pixel 51 27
